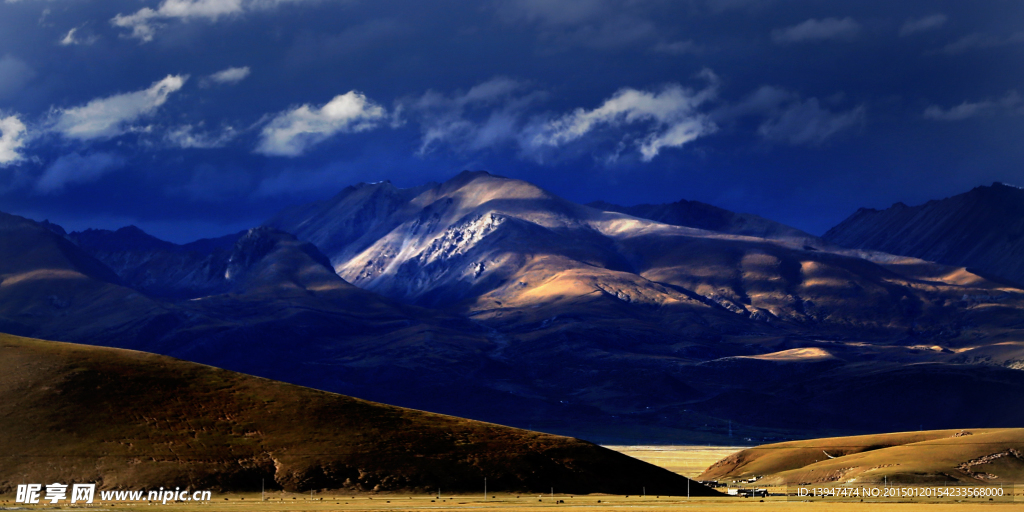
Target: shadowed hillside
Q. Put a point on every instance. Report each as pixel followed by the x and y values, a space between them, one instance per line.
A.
pixel 160 268
pixel 981 229
pixel 133 420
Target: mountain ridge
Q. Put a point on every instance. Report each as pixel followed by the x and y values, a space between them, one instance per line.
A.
pixel 696 214
pixel 982 228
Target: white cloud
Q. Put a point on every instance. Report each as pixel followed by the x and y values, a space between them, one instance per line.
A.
pixel 292 132
pixel 12 139
pixel 70 38
pixel 457 120
pixel 73 38
pixel 806 122
pixel 186 136
pixel 229 76
pixel 107 117
pixel 145 22
pixel 818 30
pixel 926 23
pixel 497 112
pixel 670 118
pixel 14 75
pixel 967 110
pixel 75 168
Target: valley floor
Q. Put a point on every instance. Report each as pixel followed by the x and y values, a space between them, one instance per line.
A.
pixel 686 460
pixel 522 503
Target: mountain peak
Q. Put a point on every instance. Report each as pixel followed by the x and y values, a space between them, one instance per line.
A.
pixel 999 184
pixel 53 227
pixel 466 177
pixel 474 174
pixel 385 184
pixel 267 258
pixel 253 246
pixel 131 229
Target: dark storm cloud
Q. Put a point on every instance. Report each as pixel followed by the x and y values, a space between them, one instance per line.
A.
pixel 807 122
pixel 75 168
pixel 980 41
pixel 199 114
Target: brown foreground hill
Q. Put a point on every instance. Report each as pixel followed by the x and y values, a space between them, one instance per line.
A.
pixel 133 420
pixel 986 456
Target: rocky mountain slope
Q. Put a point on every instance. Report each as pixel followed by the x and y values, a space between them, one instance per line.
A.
pixel 131 420
pixel 500 249
pixel 982 229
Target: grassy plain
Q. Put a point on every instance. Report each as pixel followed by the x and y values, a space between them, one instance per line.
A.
pixel 523 503
pixel 688 461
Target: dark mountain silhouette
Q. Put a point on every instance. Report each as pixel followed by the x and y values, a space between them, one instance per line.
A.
pixel 160 268
pixel 982 229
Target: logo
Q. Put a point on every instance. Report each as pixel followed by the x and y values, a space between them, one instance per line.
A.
pixel 32 493
pixel 85 493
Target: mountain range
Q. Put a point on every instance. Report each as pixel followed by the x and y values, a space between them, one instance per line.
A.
pixel 493 299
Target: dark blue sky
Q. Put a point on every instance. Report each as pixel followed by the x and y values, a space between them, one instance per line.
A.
pixel 195 118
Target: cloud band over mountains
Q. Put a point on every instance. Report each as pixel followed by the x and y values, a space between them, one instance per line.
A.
pixel 263 100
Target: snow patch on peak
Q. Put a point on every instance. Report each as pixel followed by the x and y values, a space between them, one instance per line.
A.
pixel 1003 184
pixel 460 238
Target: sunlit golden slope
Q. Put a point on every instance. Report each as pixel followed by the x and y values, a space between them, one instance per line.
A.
pixel 972 456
